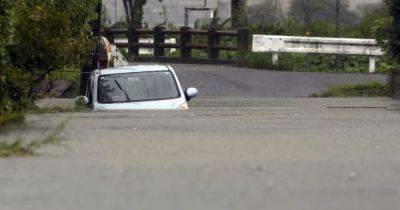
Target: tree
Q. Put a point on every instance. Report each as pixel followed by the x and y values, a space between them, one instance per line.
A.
pixel 332 11
pixel 134 12
pixel 238 13
pixel 394 36
pixel 375 22
pixel 5 8
pixel 269 12
pixel 305 10
pixel 8 91
pixel 52 34
pixel 366 9
pixel 44 36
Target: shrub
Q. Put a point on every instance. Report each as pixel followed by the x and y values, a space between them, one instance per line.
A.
pixel 264 61
pixel 52 34
pixel 41 37
pixel 373 89
pixel 12 81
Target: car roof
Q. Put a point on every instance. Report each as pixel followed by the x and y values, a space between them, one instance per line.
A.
pixel 134 69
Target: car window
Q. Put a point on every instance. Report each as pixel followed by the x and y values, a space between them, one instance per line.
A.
pixel 141 86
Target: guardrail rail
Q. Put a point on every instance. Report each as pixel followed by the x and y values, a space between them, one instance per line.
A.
pixel 341 46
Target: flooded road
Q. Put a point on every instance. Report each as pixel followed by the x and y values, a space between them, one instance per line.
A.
pixel 230 153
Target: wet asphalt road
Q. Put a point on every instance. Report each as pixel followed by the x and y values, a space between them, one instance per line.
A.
pixel 220 80
pixel 223 154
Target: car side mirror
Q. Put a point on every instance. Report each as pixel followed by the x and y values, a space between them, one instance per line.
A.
pixel 191 93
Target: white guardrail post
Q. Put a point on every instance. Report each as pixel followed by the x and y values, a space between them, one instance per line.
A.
pixel 275 59
pixel 372 64
pixel 317 45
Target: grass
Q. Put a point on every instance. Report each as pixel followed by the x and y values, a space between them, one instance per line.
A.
pixel 14 149
pixel 373 89
pixel 52 138
pixel 9 118
pixel 67 73
pixel 17 148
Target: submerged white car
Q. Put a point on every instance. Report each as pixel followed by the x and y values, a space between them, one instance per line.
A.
pixel 148 87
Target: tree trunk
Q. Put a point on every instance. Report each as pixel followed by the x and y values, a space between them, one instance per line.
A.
pixel 134 12
pixel 235 13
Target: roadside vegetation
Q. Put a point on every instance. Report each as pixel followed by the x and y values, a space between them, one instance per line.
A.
pixel 264 61
pixel 38 41
pixel 373 89
pixel 19 148
pixel 11 118
pixel 320 18
pixel 14 149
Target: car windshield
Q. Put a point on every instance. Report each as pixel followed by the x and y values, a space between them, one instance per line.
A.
pixel 133 87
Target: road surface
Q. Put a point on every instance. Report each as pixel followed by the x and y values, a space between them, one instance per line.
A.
pixel 220 80
pixel 223 154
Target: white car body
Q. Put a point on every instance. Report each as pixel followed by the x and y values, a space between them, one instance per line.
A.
pixel 178 103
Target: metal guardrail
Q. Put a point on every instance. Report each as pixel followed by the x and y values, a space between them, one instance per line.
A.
pixel 292 44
